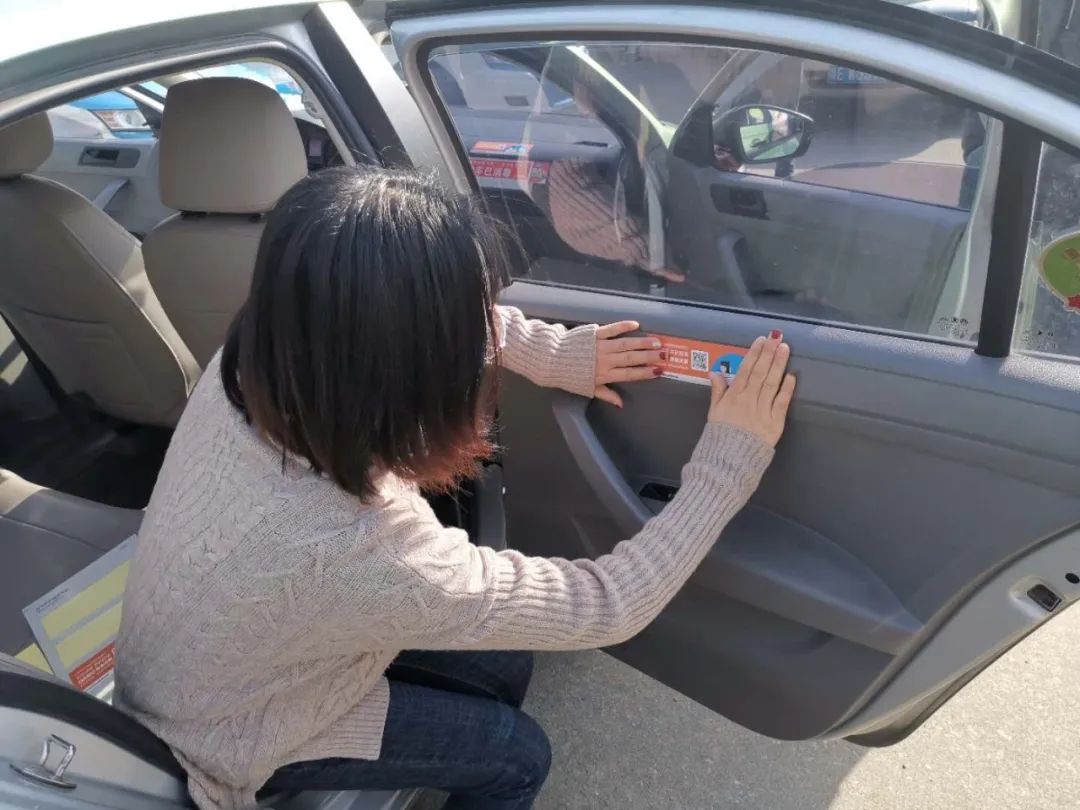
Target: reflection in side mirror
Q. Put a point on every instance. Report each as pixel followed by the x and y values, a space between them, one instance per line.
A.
pixel 759 133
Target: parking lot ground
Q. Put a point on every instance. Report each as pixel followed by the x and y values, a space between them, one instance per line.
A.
pixel 1010 739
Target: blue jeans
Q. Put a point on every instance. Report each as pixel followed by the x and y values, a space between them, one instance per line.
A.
pixel 454 724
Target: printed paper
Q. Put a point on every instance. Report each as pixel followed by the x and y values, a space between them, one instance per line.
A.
pixel 76 623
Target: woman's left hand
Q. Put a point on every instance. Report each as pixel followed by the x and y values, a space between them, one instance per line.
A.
pixel 624 359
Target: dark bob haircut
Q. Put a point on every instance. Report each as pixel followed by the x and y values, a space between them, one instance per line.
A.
pixel 364 342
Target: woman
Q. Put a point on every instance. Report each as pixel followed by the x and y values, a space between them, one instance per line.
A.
pixel 287 557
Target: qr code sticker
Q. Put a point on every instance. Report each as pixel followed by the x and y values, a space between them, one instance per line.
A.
pixel 699 360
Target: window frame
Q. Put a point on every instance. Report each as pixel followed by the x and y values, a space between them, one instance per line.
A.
pixel 1022 68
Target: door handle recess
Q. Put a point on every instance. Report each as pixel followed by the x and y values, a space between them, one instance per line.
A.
pixel 97 156
pixel 109 157
pixel 743 202
pixel 622 503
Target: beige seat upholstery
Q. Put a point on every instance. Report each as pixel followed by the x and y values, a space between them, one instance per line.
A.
pixel 229 149
pixel 46 537
pixel 72 283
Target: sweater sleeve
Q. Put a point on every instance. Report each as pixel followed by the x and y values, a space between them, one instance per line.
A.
pixel 461 596
pixel 549 355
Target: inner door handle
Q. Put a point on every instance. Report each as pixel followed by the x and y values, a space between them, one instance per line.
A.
pixel 109 157
pixel 99 156
pixel 743 202
pixel 625 507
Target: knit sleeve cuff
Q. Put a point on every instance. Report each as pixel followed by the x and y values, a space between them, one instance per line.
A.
pixel 739 451
pixel 548 354
pixel 574 364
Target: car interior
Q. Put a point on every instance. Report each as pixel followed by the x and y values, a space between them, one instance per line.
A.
pixel 107 322
pixel 125 261
pixel 104 334
pixel 95 379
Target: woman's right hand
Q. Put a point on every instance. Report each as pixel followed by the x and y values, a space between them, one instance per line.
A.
pixel 757 400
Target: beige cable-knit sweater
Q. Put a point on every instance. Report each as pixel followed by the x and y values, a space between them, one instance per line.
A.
pixel 264 603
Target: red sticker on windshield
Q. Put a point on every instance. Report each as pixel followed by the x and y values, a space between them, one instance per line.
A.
pixel 692 360
pixel 524 170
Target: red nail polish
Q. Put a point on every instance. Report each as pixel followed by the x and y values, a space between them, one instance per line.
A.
pixel 776 334
pixel 663 355
pixel 657 371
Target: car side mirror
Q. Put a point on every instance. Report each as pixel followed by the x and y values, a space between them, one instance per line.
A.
pixel 760 133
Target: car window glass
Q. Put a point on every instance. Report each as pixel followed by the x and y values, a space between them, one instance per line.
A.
pixel 482 80
pixel 110 115
pixel 728 176
pixel 267 73
pixel 1048 318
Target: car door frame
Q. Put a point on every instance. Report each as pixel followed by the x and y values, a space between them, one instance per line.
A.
pixel 1028 90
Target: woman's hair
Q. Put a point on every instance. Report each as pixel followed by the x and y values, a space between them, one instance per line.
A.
pixel 364 342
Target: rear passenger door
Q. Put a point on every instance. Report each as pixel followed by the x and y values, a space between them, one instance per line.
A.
pixel 105 148
pixel 922 513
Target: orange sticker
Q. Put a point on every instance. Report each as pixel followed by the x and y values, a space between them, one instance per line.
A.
pixel 522 170
pixel 692 360
pixel 94 668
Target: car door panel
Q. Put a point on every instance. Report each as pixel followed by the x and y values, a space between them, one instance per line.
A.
pixel 885 268
pixel 864 530
pixel 766 561
pixel 916 478
pixel 118 175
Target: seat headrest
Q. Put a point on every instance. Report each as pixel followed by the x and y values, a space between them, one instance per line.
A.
pixel 228 146
pixel 25 145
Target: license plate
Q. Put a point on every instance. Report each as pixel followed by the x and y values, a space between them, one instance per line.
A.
pixel 843 75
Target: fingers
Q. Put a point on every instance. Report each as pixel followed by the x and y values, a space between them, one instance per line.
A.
pixel 628 345
pixel 615 329
pixel 783 398
pixel 669 275
pixel 608 395
pixel 761 368
pixel 775 374
pixel 746 367
pixel 719 387
pixel 638 358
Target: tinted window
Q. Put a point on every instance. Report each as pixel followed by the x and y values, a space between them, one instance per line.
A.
pixel 728 176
